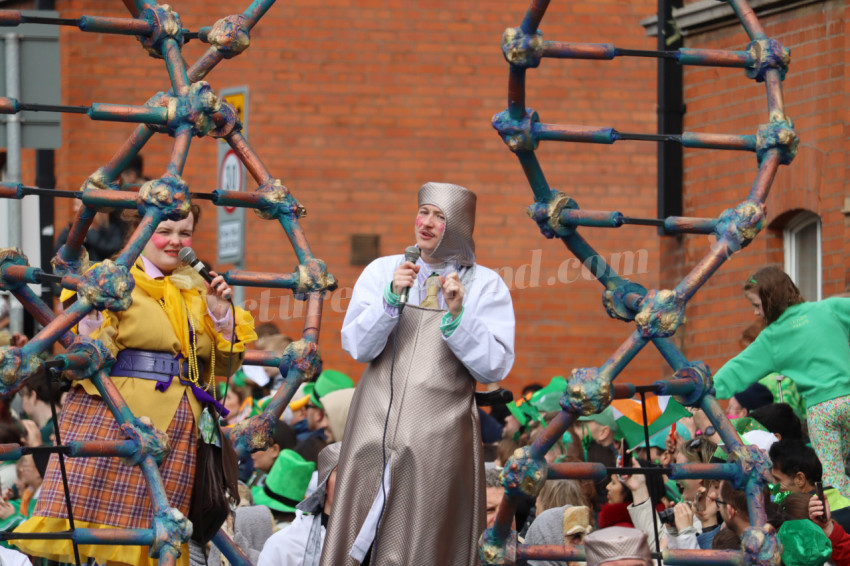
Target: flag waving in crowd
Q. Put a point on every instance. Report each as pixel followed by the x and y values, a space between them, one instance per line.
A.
pixel 661 412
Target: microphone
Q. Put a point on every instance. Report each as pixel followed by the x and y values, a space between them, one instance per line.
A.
pixel 187 256
pixel 411 254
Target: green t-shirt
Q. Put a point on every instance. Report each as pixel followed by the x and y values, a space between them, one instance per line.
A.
pixel 808 343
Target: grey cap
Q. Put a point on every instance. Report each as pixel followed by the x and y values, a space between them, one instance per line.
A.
pixel 616 543
pixel 458 206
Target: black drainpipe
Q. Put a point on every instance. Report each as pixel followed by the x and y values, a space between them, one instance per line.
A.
pixel 671 110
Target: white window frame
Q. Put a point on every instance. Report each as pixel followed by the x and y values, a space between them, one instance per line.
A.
pixel 801 221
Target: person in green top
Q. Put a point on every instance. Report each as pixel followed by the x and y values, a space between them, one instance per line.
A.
pixel 808 342
pixel 784 390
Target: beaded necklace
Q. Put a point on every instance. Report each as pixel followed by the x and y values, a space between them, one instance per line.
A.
pixel 194 369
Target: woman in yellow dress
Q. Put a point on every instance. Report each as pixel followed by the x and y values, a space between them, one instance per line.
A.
pixel 170 344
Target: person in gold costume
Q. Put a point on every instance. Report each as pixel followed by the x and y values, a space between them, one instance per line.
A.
pixel 170 344
pixel 425 502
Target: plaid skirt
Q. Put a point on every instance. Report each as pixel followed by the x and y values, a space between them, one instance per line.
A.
pixel 106 491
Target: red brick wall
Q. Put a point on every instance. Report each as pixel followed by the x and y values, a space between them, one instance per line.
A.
pixel 724 100
pixel 353 105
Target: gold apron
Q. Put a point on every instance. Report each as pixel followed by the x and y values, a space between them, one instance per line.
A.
pixel 435 509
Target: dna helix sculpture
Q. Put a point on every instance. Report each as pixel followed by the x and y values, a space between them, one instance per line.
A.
pixel 656 313
pixel 191 108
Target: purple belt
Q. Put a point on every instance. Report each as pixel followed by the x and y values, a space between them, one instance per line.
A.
pixel 161 367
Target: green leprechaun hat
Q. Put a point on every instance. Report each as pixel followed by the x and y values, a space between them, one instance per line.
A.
pixel 286 483
pixel 328 381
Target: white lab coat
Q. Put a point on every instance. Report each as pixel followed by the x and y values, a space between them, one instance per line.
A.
pixel 483 342
pixel 287 546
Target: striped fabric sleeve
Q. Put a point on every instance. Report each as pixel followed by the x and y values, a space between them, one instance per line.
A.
pixel 391 298
pixel 449 324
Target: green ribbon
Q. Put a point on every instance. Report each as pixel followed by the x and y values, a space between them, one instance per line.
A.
pixel 391 298
pixel 448 325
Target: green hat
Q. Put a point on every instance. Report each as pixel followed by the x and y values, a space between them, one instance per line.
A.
pixel 329 380
pixel 803 543
pixel 605 418
pixel 239 378
pixel 523 412
pixel 549 398
pixel 286 483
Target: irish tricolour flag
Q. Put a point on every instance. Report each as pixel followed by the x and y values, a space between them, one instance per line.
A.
pixel 661 412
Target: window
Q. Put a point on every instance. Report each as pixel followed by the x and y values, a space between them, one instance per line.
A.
pixel 365 248
pixel 802 243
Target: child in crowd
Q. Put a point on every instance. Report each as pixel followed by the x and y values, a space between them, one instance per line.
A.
pixel 808 342
pixel 782 389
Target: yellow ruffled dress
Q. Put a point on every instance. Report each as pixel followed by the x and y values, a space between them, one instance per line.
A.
pixel 159 321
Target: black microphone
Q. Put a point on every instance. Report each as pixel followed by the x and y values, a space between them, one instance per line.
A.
pixel 411 254
pixel 187 256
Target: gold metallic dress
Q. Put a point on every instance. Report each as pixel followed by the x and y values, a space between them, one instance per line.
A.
pixel 435 506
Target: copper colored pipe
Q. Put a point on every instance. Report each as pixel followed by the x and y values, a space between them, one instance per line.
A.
pixel 313 318
pixel 250 158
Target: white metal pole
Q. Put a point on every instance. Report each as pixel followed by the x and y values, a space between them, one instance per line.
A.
pixel 13 163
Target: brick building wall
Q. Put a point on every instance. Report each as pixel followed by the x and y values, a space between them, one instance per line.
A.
pixel 724 100
pixel 355 103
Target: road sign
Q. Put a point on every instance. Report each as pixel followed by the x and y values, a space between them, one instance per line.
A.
pixel 237 99
pixel 230 239
pixel 232 176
